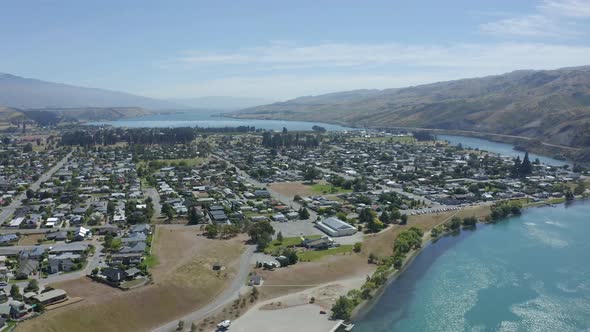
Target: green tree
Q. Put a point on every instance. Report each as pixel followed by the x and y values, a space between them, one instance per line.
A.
pixel 15 292
pixel 180 325
pixel 526 168
pixel 193 327
pixel 194 217
pixel 404 219
pixel 261 234
pixel 212 230
pixel 280 237
pixel 291 255
pixel 455 223
pixel 33 286
pixel 342 309
pixel 385 217
pixel 357 247
pixel 303 213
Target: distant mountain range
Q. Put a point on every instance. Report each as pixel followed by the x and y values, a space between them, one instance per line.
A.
pixel 26 93
pixel 551 105
pixel 226 103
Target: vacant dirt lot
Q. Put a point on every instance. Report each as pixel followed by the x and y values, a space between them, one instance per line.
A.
pixel 183 282
pixel 30 239
pixel 291 189
pixel 310 274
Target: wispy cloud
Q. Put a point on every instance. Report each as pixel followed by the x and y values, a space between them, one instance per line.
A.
pixel 288 70
pixel 550 18
pixel 379 54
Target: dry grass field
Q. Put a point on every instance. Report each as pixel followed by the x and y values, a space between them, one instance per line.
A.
pixel 30 239
pixel 183 282
pixel 291 189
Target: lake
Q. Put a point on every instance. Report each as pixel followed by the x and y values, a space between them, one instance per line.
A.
pixel 500 148
pixel 208 119
pixel 526 273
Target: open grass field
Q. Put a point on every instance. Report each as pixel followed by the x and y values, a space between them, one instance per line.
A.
pixel 183 282
pixel 326 188
pixel 314 255
pixel 291 189
pixel 287 242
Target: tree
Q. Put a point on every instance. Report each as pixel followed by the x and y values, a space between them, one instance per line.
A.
pixel 303 213
pixel 404 219
pixel 180 325
pixel 168 210
pixel 193 216
pixel 311 173
pixel 212 230
pixel 291 255
pixel 28 148
pixel 526 168
pixel 469 221
pixel 33 286
pixel 342 308
pixel 455 223
pixel 261 234
pixel 30 193
pixel 357 247
pixel 280 237
pixel 193 327
pixel 580 188
pixel 385 217
pixel 15 292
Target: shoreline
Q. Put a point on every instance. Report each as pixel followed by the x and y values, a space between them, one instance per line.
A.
pixel 520 143
pixel 363 308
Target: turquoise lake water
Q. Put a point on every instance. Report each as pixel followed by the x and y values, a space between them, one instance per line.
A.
pixel 526 273
pixel 208 119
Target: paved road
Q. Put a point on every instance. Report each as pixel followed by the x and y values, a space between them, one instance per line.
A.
pixel 9 230
pixel 153 193
pixel 229 294
pixel 16 202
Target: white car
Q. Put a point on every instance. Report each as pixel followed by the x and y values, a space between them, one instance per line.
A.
pixel 224 325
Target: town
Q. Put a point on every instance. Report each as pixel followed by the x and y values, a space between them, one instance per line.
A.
pixel 242 218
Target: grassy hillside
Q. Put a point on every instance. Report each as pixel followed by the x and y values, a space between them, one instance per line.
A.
pixel 552 105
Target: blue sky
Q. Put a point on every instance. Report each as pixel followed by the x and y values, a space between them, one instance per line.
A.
pixel 284 49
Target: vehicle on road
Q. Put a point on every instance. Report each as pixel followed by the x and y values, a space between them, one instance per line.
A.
pixel 224 325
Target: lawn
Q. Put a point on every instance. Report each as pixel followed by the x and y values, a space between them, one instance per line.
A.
pixel 326 188
pixel 275 245
pixel 314 255
pixel 150 261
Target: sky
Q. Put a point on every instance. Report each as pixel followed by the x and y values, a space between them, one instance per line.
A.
pixel 279 50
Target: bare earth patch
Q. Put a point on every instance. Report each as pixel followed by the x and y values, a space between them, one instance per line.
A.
pixel 291 189
pixel 30 239
pixel 183 282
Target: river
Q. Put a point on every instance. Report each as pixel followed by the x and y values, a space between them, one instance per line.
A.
pixel 500 148
pixel 526 273
pixel 208 119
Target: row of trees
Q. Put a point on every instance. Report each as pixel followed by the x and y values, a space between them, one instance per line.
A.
pixel 286 140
